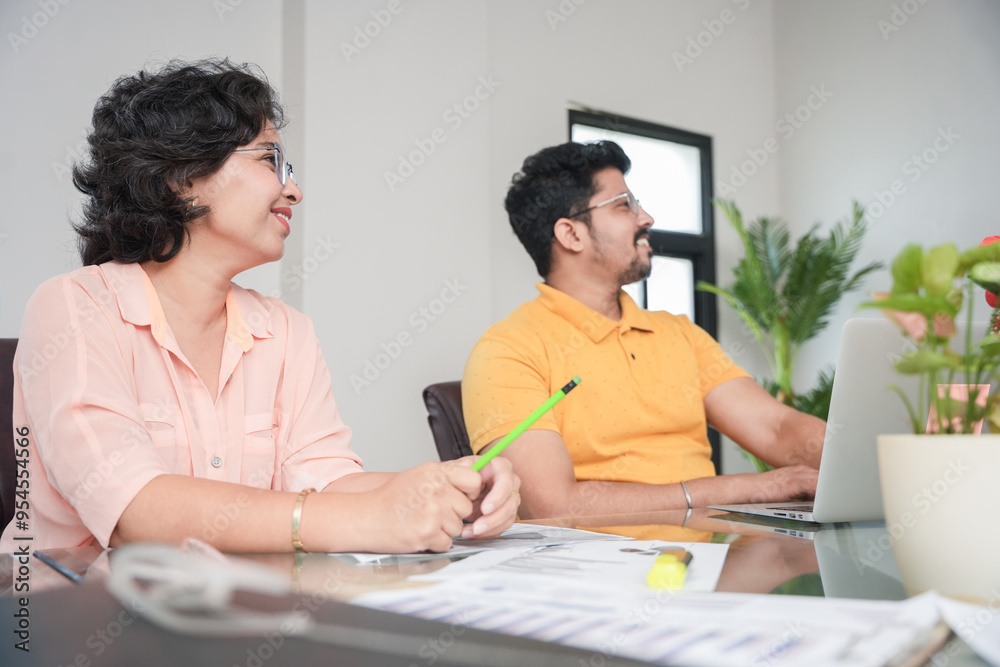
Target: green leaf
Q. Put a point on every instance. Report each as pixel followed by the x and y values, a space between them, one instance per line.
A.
pixel 754 294
pixel 939 268
pixel 785 291
pixel 906 269
pixel 915 424
pixel 770 239
pixel 816 401
pixel 819 275
pixel 703 286
pixel 990 346
pixel 915 303
pixel 747 318
pixel 977 255
pixel 926 361
pixel 986 275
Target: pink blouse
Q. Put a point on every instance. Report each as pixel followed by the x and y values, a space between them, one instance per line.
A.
pixel 104 401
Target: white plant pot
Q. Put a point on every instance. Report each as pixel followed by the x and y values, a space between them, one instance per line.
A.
pixel 942 497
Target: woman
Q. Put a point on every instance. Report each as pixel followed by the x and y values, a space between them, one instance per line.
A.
pixel 156 400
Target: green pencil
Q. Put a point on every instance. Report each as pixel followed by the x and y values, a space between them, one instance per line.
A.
pixel 523 426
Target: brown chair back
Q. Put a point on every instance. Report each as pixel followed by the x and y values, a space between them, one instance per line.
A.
pixel 8 464
pixel 444 414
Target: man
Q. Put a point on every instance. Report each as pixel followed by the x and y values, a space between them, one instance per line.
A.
pixel 632 437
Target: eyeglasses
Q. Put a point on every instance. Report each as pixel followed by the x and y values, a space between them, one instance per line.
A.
pixel 633 204
pixel 282 167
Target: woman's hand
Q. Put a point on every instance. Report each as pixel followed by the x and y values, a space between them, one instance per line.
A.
pixel 421 509
pixel 496 505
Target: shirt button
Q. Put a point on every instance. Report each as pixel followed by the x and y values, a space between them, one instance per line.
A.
pixel 217 462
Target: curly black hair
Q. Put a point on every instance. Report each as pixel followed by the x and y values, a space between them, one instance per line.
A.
pixel 152 133
pixel 551 184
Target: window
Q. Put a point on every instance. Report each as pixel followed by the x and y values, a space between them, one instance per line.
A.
pixel 672 176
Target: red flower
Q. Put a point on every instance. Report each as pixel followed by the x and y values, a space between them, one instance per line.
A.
pixel 991 298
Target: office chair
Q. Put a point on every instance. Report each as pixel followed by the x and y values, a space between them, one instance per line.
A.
pixel 444 414
pixel 8 464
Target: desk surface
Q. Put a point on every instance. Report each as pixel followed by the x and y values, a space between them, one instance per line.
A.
pixel 841 560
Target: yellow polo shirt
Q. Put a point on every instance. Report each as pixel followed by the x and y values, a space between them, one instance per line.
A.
pixel 639 413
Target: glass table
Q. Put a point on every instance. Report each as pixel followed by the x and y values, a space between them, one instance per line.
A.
pixel 765 556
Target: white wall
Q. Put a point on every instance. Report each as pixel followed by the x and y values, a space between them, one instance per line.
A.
pixel 52 75
pixel 364 259
pixel 902 75
pixel 400 248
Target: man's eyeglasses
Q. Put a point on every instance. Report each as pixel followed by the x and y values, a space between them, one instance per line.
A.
pixel 282 167
pixel 633 204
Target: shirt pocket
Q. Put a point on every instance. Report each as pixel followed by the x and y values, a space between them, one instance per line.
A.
pixel 159 424
pixel 259 450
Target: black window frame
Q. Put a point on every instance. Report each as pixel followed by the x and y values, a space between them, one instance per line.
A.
pixel 699 249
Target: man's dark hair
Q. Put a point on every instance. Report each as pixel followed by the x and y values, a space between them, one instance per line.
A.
pixel 555 183
pixel 152 133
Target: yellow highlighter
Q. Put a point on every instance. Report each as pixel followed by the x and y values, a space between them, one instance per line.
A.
pixel 669 570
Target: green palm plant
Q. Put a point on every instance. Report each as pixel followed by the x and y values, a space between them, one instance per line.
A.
pixel 785 294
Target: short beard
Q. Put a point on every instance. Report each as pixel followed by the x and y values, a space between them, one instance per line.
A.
pixel 637 270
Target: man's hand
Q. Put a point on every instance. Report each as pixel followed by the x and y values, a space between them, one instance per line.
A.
pixel 781 484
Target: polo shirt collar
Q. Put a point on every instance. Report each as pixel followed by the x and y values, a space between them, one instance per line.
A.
pixel 595 325
pixel 634 316
pixel 247 317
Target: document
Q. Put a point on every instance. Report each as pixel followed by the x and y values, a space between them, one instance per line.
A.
pixel 518 536
pixel 619 564
pixel 978 625
pixel 666 627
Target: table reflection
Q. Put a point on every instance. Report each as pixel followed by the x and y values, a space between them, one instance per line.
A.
pixel 765 556
pixel 340 578
pixel 771 555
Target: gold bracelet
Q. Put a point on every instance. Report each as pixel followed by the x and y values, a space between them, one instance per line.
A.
pixel 297 519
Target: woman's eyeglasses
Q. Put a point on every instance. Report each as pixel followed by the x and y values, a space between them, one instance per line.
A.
pixel 282 167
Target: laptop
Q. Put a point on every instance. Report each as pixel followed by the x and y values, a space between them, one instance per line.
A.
pixel 861 407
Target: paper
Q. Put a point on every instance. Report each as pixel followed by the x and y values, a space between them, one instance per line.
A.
pixel 621 564
pixel 665 627
pixel 517 536
pixel 978 625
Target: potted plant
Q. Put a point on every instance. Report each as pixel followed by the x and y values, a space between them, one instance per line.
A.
pixel 784 294
pixel 938 481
